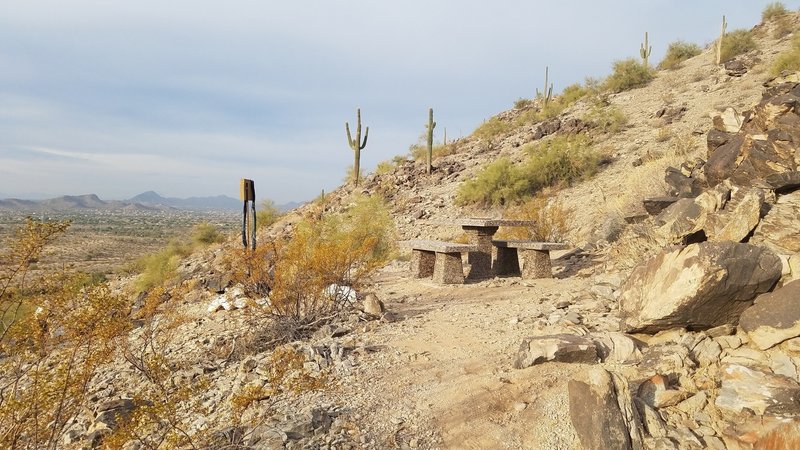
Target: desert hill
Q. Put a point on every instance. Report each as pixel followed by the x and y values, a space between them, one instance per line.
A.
pixel 668 324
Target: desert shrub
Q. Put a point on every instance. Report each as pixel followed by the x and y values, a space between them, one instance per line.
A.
pixel 551 220
pixel 419 151
pixel 788 60
pixel 342 249
pixel 491 129
pixel 205 233
pixel 499 182
pixel 522 103
pixel 608 119
pixel 773 10
pixel 562 160
pixel 736 43
pixel 267 215
pixel 156 268
pixel 678 52
pixel 559 161
pixel 628 74
pixel 573 93
pixel 54 339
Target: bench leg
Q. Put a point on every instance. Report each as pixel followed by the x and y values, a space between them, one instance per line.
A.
pixel 536 264
pixel 448 269
pixel 507 262
pixel 422 263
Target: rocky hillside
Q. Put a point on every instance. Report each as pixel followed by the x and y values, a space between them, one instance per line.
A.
pixel 671 322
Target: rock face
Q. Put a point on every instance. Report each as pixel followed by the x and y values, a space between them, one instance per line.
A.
pixel 780 230
pixel 775 317
pixel 740 215
pixel 761 392
pixel 559 347
pixel 765 145
pixel 699 286
pixel 595 413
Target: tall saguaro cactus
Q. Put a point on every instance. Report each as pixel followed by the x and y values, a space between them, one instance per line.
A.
pixel 356 144
pixel 431 125
pixel 547 94
pixel 645 50
pixel 719 41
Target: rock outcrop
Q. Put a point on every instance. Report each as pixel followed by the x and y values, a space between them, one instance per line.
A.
pixel 698 286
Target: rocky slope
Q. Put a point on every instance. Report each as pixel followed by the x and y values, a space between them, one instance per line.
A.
pixel 676 331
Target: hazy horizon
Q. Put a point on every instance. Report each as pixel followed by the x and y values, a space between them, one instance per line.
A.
pixel 185 98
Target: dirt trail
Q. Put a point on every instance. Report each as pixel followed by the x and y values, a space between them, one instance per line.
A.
pixel 445 365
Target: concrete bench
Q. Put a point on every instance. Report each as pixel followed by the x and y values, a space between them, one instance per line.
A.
pixel 535 258
pixel 439 259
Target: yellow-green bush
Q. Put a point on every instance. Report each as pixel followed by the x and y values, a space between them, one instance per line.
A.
pixel 205 233
pixel 551 220
pixel 325 249
pixel 788 60
pixel 773 10
pixel 267 215
pixel 608 118
pixel 558 161
pixel 736 43
pixel 628 74
pixel 492 128
pixel 678 52
pixel 56 333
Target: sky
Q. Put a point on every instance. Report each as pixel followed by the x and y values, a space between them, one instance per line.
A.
pixel 185 97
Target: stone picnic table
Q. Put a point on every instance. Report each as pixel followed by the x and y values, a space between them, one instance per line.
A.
pixel 480 232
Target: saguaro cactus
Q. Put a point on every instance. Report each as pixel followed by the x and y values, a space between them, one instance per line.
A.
pixel 645 50
pixel 547 94
pixel 431 125
pixel 719 41
pixel 357 145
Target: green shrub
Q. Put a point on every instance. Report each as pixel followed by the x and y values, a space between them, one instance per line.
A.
pixel 735 43
pixel 788 60
pixel 628 74
pixel 522 103
pixel 267 215
pixel 491 129
pixel 773 10
pixel 562 160
pixel 204 233
pixel 678 52
pixel 573 93
pixel 161 266
pixel 559 161
pixel 500 182
pixel 608 119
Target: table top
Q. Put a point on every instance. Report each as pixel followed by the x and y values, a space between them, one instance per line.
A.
pixel 483 222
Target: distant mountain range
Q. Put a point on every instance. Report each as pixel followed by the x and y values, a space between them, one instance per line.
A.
pixel 146 201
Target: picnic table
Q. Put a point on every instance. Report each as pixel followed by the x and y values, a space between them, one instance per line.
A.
pixel 480 232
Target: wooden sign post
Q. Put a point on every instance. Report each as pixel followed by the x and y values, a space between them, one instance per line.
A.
pixel 247 193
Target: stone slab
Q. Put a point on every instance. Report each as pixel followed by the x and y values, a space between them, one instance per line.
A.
pixel 439 246
pixel 530 245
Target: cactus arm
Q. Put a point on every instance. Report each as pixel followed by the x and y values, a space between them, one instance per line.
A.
pixel 366 134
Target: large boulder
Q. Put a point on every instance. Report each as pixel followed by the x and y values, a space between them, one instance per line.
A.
pixel 688 216
pixel 775 317
pixel 698 286
pixel 595 412
pixel 779 230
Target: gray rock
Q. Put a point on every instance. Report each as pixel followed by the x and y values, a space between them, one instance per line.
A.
pixel 654 205
pixel 699 286
pixel 688 216
pixel 707 352
pixel 775 316
pixel 559 347
pixel 655 392
pixel 595 414
pixel 614 347
pixel 372 305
